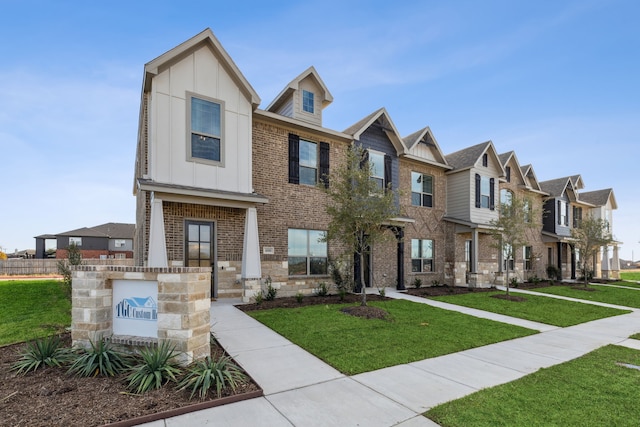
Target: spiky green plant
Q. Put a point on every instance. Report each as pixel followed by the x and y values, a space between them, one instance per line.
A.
pixel 209 373
pixel 102 359
pixel 46 351
pixel 155 369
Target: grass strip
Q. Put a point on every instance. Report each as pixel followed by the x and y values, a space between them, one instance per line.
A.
pixel 354 345
pixel 606 294
pixel 535 308
pixel 593 390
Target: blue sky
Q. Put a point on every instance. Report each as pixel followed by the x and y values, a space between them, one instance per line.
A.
pixel 556 81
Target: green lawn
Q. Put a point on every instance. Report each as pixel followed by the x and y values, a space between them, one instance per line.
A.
pixel 589 391
pixel 625 283
pixel 354 345
pixel 611 295
pixel 632 275
pixel 536 308
pixel 32 309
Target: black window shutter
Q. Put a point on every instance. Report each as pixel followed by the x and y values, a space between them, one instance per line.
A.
pixel 294 159
pixel 387 171
pixel 324 164
pixel 492 193
pixel 477 191
pixel 365 159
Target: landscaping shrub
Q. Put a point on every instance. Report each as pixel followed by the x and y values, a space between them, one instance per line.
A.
pixel 156 368
pixel 42 352
pixel 209 374
pixel 102 359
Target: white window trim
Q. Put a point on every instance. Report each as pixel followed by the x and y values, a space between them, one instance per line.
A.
pixel 380 153
pixel 313 105
pixel 190 158
pixel 300 165
pixel 76 240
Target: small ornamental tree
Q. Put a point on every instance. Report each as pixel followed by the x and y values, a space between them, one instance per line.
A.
pixel 589 236
pixel 358 208
pixel 3 256
pixel 509 231
pixel 74 257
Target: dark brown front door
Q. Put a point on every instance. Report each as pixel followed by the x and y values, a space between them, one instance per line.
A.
pixel 200 247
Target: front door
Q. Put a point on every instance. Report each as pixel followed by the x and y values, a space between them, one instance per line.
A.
pixel 200 248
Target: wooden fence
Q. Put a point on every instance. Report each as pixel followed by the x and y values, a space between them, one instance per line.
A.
pixel 30 267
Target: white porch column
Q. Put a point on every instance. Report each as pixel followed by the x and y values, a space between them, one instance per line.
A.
pixel 251 267
pixel 615 262
pixel 605 258
pixel 157 241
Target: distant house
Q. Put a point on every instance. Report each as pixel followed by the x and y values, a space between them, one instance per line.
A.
pixel 110 240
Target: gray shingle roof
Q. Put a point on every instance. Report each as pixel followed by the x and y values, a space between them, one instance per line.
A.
pixel 504 157
pixel 110 230
pixel 467 157
pixel 354 128
pixel 555 187
pixel 597 198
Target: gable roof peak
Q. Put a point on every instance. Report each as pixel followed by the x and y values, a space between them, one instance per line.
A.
pixel 205 37
pixel 468 157
pixel 325 97
pixel 382 117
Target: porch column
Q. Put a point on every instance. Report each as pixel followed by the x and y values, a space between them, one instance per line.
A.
pixel 474 251
pixel 615 262
pixel 399 231
pixel 157 256
pixel 251 267
pixel 559 261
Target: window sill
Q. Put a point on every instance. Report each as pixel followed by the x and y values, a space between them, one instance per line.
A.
pixel 315 276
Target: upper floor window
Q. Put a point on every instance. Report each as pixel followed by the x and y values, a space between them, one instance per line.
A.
pixel 508 172
pixel 205 129
pixel 421 189
pixel 485 160
pixel 307 252
pixel 562 213
pixel 421 255
pixel 526 207
pixel 376 162
pixel 307 101
pixel 485 190
pixel 75 241
pixel 577 216
pixel 308 161
pixel 505 197
pixel 119 243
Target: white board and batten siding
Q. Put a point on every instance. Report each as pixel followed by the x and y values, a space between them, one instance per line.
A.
pixel 200 73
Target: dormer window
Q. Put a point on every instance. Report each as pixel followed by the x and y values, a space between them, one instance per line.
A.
pixel 485 160
pixel 307 101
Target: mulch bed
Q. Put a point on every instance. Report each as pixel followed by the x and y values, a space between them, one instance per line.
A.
pixel 49 397
pixel 292 302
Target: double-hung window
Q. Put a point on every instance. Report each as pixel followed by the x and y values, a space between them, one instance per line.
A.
pixel 421 190
pixel 376 163
pixel 485 190
pixel 307 101
pixel 526 256
pixel 421 255
pixel 307 252
pixel 204 116
pixel 308 162
pixel 562 213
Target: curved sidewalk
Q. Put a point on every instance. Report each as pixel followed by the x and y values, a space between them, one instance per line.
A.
pixel 301 390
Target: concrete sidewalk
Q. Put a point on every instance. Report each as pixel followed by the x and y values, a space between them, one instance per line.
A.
pixel 301 390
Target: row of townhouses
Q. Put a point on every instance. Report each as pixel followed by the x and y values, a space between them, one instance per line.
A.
pixel 221 182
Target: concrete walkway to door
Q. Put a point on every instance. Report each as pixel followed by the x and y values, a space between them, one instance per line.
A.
pixel 301 390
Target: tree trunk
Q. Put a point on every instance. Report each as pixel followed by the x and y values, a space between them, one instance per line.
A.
pixel 362 283
pixel 507 278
